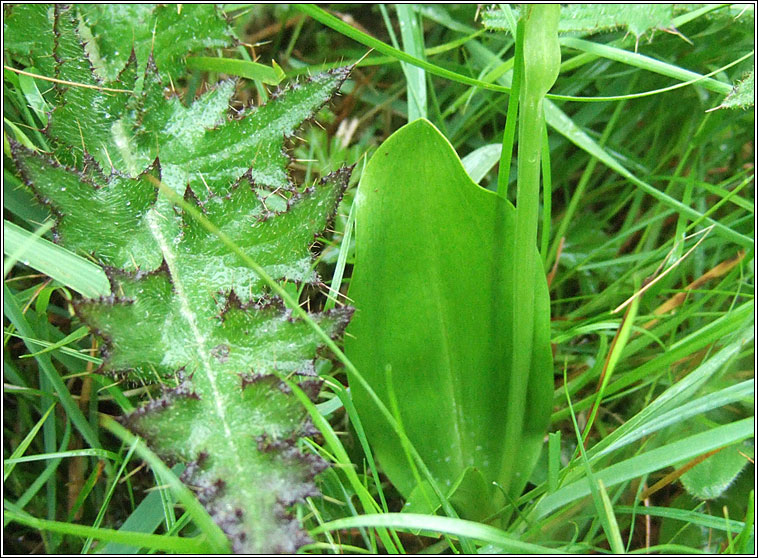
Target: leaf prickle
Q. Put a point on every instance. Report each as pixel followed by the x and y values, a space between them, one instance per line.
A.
pixel 184 311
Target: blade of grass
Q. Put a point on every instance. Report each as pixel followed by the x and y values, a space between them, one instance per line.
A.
pixel 606 98
pixel 46 474
pixel 617 347
pixel 578 192
pixel 710 333
pixel 692 517
pixel 675 403
pixel 433 524
pixel 49 345
pixel 87 452
pixel 652 460
pixel 215 537
pixel 181 545
pixel 54 261
pixel 109 494
pixel 603 506
pixel 413 43
pixel 21 448
pixel 145 518
pixel 509 134
pixel 645 63
pixel 70 338
pixel 742 544
pixel 336 447
pixel 270 75
pixel 349 31
pixel 16 316
pixel 85 491
pixel 20 242
pixel 566 127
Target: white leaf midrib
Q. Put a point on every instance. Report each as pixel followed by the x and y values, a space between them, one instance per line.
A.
pixel 200 340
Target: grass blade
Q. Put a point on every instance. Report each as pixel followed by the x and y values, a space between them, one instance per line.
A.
pixel 54 261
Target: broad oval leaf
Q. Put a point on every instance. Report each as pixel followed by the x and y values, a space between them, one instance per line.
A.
pixel 431 283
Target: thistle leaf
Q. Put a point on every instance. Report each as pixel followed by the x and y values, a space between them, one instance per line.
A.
pixel 743 94
pixel 27 30
pixel 169 31
pixel 198 145
pixel 185 311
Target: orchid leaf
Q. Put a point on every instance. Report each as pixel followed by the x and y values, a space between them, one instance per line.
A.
pixel 432 274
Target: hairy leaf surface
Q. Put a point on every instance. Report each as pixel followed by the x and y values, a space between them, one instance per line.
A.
pixel 743 94
pixel 185 312
pixel 597 18
pixel 168 31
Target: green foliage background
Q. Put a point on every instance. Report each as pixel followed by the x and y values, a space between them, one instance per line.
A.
pixel 631 177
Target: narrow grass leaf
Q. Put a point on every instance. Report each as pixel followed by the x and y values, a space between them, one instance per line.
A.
pixel 180 545
pixel 645 62
pixel 481 161
pixel 145 518
pixel 87 452
pixel 676 403
pixel 15 315
pixel 412 36
pixel 21 448
pixel 46 474
pixel 70 338
pixel 745 541
pixel 652 460
pixel 337 449
pixel 603 506
pixel 692 517
pixel 330 21
pixel 109 494
pixel 55 261
pixel 437 524
pixel 234 67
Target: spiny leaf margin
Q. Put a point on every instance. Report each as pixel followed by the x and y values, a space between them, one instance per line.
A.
pixel 227 413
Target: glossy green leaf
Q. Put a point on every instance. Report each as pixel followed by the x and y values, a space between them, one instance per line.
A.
pixel 469 495
pixel 430 284
pixel 187 307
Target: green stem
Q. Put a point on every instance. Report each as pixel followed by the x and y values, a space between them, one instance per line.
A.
pixel 506 154
pixel 541 65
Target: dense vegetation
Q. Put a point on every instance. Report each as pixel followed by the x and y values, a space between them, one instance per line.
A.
pixel 631 431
